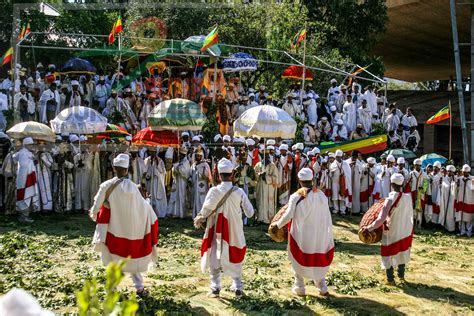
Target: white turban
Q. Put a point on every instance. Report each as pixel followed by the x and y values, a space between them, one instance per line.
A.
pixel 122 160
pixel 400 160
pixel 217 137
pixel 417 162
pixel 305 174
pixel 339 153
pixel 331 155
pixel 451 168
pixel 310 95
pixel 250 142
pixel 437 164
pixel 169 153
pixel 397 178
pixel 271 147
pixel 340 122
pixel 391 158
pixel 184 134
pixel 226 138
pixel 466 168
pixel 333 108
pixel 283 147
pixel 28 141
pixel 371 160
pixel 271 142
pixel 73 138
pixel 333 81
pixel 225 166
pixel 196 139
pixel 316 150
pixel 299 146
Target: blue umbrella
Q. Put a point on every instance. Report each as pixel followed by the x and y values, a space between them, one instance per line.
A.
pixel 430 159
pixel 78 66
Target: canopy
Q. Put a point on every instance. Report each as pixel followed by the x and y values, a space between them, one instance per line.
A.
pixel 78 66
pixel 240 62
pixel 366 145
pixel 35 130
pixel 178 115
pixel 296 72
pixel 430 159
pixel 265 121
pixel 397 153
pixel 149 137
pixel 79 120
pixel 193 44
pixel 113 131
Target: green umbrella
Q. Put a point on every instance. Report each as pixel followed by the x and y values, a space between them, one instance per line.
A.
pixel 397 153
pixel 178 115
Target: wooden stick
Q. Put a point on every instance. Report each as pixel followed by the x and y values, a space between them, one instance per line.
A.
pixel 450 129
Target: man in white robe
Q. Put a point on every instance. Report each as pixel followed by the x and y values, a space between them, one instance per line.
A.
pixel 397 240
pixel 223 245
pixel 432 204
pixel 201 180
pixel 465 202
pixel 367 184
pixel 417 184
pixel 339 132
pixel 333 91
pixel 155 184
pixel 266 193
pixel 43 169
pixel 127 227
pixel 408 121
pixel 341 98
pixel 386 171
pixel 341 195
pixel 26 181
pixel 371 98
pixel 356 173
pixel 447 196
pixel 50 104
pixel 285 167
pixel 349 111
pixel 179 198
pixel 310 237
pixel 364 115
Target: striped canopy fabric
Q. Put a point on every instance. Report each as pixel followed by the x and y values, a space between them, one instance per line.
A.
pixel 366 145
pixel 177 115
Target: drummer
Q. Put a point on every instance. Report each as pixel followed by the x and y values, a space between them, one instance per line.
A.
pixel 397 239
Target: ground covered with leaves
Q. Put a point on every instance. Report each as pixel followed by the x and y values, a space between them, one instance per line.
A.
pixel 53 258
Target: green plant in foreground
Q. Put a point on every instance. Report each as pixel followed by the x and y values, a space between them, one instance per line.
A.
pixel 114 303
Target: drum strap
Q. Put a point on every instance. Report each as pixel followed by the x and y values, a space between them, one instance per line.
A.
pixel 391 209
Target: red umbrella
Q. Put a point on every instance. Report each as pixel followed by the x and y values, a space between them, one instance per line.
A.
pixel 296 72
pixel 113 131
pixel 156 138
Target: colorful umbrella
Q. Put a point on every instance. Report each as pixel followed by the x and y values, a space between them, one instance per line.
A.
pixel 397 153
pixel 113 131
pixel 265 121
pixel 430 159
pixel 296 72
pixel 78 66
pixel 177 115
pixel 149 137
pixel 79 120
pixel 35 130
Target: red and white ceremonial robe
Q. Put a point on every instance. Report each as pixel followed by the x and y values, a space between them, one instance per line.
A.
pixel 432 198
pixel 26 180
pixel 128 229
pixel 464 204
pixel 397 239
pixel 340 201
pixel 367 185
pixel 223 245
pixel 310 238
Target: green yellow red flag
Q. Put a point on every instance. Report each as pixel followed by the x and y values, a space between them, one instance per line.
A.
pixel 441 115
pixel 7 58
pixel 298 38
pixel 210 40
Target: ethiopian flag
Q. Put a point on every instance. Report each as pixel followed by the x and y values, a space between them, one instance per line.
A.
pixel 22 33
pixel 210 40
pixel 28 30
pixel 298 38
pixel 117 28
pixel 441 115
pixel 7 57
pixel 355 73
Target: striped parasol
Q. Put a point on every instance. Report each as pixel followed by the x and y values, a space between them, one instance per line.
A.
pixel 177 115
pixel 113 131
pixel 149 137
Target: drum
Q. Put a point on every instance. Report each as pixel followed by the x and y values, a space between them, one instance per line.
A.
pixel 282 233
pixel 369 217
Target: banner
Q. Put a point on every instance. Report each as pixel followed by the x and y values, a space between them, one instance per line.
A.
pixel 239 62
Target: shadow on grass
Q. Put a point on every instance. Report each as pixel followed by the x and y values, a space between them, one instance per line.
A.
pixel 265 305
pixel 353 305
pixel 161 305
pixel 357 248
pixel 438 293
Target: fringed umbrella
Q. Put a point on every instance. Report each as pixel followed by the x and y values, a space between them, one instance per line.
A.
pixel 113 132
pixel 78 66
pixel 149 137
pixel 296 72
pixel 397 153
pixel 35 130
pixel 430 159
pixel 79 120
pixel 177 115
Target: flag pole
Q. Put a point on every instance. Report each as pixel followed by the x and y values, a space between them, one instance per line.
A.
pixel 304 67
pixel 120 52
pixel 450 129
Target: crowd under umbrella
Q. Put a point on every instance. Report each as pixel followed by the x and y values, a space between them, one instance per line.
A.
pixel 149 137
pixel 398 153
pixel 78 66
pixel 296 72
pixel 35 130
pixel 79 120
pixel 430 159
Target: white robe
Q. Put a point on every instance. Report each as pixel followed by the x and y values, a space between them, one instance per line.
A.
pixel 350 116
pixel 371 101
pixel 45 97
pixel 356 174
pixel 266 193
pixel 447 197
pixel 339 134
pixel 201 179
pixel 179 198
pixel 335 170
pixel 44 180
pixel 367 186
pixel 82 180
pixel 365 118
pixel 223 244
pixel 310 238
pixel 465 200
pixel 155 185
pixel 384 178
pixel 26 181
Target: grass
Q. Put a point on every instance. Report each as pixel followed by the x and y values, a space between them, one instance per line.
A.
pixel 53 258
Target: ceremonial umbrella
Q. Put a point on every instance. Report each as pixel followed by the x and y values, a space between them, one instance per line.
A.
pixel 397 153
pixel 239 62
pixel 296 72
pixel 193 44
pixel 79 120
pixel 35 130
pixel 113 131
pixel 78 66
pixel 430 159
pixel 265 121
pixel 177 115
pixel 149 137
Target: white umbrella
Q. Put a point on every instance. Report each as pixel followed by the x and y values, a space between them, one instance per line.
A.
pixel 79 120
pixel 265 121
pixel 35 130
